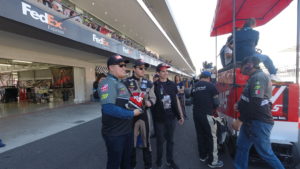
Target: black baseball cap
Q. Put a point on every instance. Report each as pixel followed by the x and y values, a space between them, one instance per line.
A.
pixel 140 62
pixel 161 66
pixel 116 59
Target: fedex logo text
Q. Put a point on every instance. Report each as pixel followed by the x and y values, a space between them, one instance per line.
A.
pixel 44 18
pixel 101 41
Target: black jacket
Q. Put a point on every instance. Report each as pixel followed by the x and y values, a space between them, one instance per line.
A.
pixel 246 41
pixel 158 110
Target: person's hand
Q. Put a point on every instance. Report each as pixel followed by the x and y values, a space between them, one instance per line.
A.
pixel 236 124
pixel 137 112
pixel 148 103
pixel 181 121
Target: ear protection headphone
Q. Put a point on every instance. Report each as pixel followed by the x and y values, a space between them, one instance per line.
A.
pixel 250 62
pixel 256 66
pixel 247 67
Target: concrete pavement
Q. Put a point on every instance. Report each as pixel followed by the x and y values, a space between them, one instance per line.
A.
pixel 70 138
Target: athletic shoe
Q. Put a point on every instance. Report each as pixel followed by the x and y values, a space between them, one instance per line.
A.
pixel 203 159
pixel 274 78
pixel 172 165
pixel 159 165
pixel 1 144
pixel 216 165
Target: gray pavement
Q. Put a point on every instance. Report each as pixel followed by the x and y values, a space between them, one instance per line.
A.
pixel 78 144
pixel 21 129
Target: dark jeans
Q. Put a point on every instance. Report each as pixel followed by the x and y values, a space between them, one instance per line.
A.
pixel 165 131
pixel 206 131
pixel 118 151
pixel 256 133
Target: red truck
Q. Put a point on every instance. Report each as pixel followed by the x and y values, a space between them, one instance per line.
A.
pixel 285 109
pixel 229 15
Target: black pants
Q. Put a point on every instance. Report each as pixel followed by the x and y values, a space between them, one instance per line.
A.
pixel 206 131
pixel 118 151
pixel 147 157
pixel 165 131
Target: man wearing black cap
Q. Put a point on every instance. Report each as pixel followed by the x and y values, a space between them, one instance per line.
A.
pixel 164 113
pixel 116 118
pixel 143 89
pixel 205 101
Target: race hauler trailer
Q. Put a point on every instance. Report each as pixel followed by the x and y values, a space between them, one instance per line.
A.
pixel 229 15
pixel 285 108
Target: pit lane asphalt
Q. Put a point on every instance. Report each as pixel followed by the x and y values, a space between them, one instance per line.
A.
pixel 82 147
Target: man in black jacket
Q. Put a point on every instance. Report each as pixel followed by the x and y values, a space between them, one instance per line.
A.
pixel 246 41
pixel 165 111
pixel 205 101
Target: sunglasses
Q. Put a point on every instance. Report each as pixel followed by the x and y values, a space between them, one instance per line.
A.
pixel 142 68
pixel 122 65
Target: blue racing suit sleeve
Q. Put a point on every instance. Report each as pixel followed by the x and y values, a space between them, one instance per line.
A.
pixel 117 111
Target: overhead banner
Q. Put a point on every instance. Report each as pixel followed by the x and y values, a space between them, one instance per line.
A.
pixel 33 15
pixel 29 14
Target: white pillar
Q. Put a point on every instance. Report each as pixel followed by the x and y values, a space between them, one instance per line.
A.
pixel 79 84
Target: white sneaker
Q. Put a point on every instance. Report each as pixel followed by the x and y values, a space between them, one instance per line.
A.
pixel 275 78
pixel 216 165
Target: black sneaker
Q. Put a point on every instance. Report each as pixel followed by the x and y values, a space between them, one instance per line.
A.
pixel 159 165
pixel 172 165
pixel 1 144
pixel 203 159
pixel 216 165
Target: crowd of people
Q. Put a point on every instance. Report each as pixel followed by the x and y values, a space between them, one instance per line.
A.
pixel 132 106
pixel 95 24
pixel 127 122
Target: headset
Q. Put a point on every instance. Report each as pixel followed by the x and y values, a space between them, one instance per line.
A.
pixel 254 63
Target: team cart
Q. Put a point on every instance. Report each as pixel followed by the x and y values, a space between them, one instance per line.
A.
pixel 229 15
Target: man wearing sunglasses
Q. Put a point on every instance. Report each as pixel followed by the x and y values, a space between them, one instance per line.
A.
pixel 116 118
pixel 143 89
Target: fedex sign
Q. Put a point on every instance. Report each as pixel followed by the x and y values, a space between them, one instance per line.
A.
pixel 44 18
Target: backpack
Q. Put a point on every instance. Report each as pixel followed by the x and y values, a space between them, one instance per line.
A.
pixel 222 55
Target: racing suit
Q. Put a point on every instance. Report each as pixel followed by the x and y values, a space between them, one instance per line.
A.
pixel 144 89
